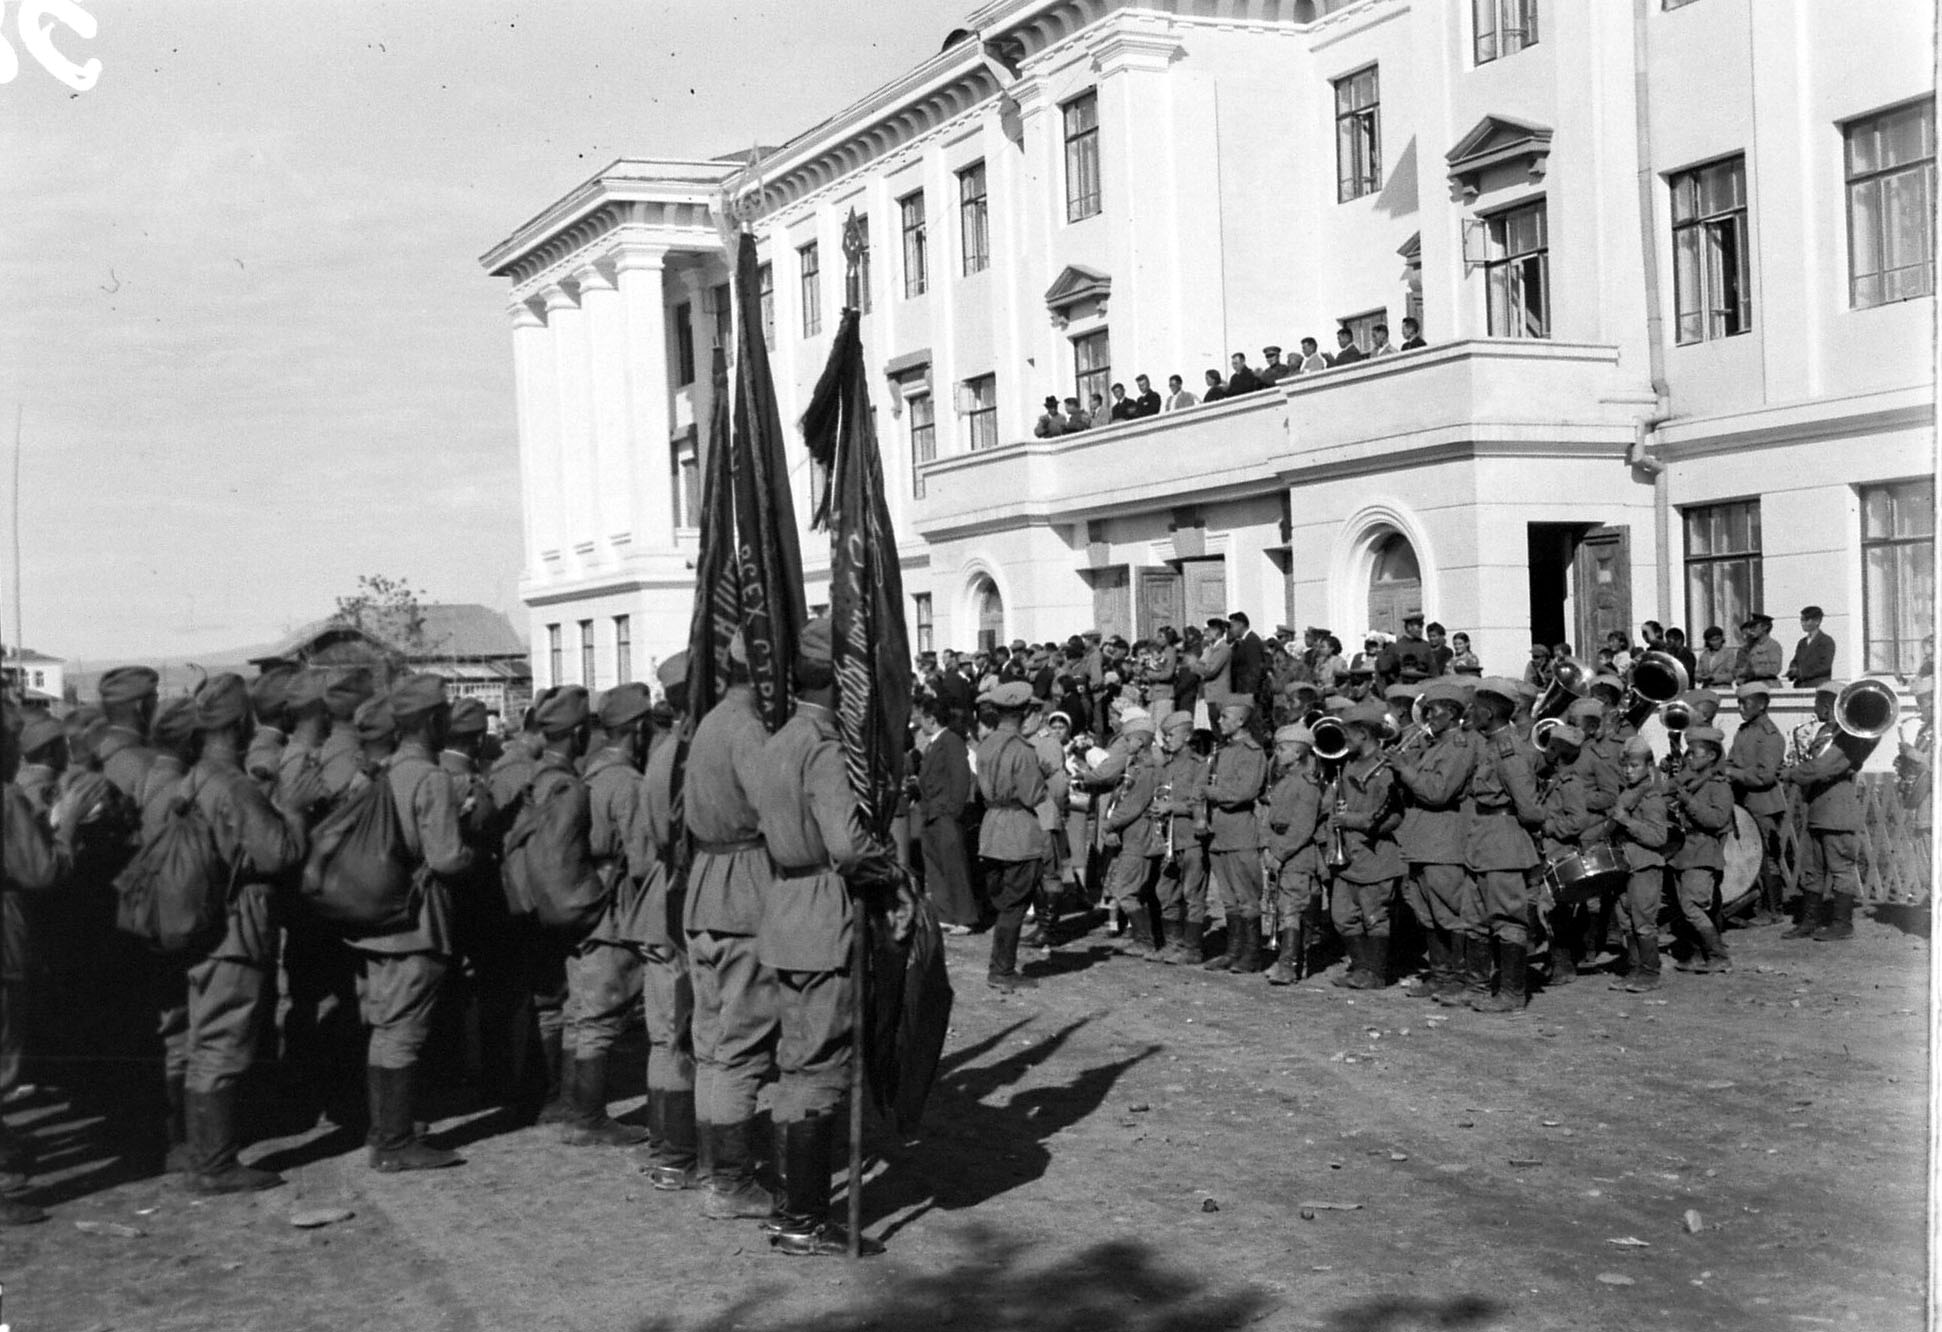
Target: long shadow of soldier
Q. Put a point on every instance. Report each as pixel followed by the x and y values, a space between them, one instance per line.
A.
pixel 975 1148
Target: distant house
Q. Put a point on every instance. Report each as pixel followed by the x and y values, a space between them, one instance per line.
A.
pixel 474 647
pixel 34 676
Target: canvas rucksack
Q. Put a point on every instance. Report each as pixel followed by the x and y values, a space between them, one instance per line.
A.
pixel 360 875
pixel 175 893
pixel 548 872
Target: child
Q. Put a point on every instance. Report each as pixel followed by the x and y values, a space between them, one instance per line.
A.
pixel 1364 807
pixel 1641 831
pixel 1294 854
pixel 1704 798
pixel 1464 662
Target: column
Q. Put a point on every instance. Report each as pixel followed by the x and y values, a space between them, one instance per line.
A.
pixel 539 445
pixel 637 274
pixel 611 479
pixel 568 323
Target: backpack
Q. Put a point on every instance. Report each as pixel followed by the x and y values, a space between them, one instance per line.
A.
pixel 360 875
pixel 174 895
pixel 548 872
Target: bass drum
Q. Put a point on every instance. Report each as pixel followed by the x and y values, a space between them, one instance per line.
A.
pixel 1739 884
pixel 1586 875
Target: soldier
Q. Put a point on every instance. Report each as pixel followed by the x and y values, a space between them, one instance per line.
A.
pixel 1830 877
pixel 1753 770
pixel 128 703
pixel 173 735
pixel 1502 809
pixel 229 985
pixel 808 820
pixel 735 995
pixel 666 992
pixel 269 697
pixel 1705 803
pixel 1641 829
pixel 1010 842
pixel 1128 820
pixel 539 1017
pixel 603 970
pixel 1293 854
pixel 309 727
pixel 1364 810
pixel 482 983
pixel 1232 790
pixel 1182 888
pixel 1434 772
pixel 1565 792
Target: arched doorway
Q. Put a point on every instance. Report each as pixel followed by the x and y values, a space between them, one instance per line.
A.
pixel 991 614
pixel 1395 583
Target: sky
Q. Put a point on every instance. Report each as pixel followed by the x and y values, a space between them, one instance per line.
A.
pixel 245 334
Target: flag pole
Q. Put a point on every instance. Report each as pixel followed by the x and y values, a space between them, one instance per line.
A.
pixel 854 245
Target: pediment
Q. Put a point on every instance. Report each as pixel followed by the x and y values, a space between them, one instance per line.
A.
pixel 1074 284
pixel 1497 141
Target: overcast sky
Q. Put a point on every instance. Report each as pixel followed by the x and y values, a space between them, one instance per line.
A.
pixel 244 319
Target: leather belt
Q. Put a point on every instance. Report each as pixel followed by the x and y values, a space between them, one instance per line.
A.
pixel 802 872
pixel 729 848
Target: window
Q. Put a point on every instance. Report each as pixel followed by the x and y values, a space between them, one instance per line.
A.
pixel 1723 579
pixel 1517 273
pixel 623 648
pixel 586 653
pixel 1898 572
pixel 981 411
pixel 687 484
pixel 921 606
pixel 1092 365
pixel 724 303
pixel 972 219
pixel 810 258
pixel 917 263
pixel 1358 136
pixel 923 438
pixel 555 656
pixel 684 344
pixel 1891 205
pixel 1504 27
pixel 765 293
pixel 1082 157
pixel 1710 290
pixel 861 295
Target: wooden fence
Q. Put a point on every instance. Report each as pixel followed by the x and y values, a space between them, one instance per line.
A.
pixel 1895 858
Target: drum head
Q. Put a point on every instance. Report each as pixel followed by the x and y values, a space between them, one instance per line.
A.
pixel 1741 878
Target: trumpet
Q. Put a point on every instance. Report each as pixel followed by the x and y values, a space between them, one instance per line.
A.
pixel 1336 858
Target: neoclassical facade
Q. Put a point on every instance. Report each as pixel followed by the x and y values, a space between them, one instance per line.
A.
pixel 1674 264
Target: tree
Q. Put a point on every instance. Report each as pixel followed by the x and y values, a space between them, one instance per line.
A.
pixel 388 609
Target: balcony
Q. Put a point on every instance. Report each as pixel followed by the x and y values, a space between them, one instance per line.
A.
pixel 1499 395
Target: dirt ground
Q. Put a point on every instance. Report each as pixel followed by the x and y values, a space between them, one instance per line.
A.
pixel 1149 1149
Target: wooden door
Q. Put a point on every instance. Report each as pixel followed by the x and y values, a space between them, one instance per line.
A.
pixel 1162 600
pixel 1601 584
pixel 1206 589
pixel 1112 602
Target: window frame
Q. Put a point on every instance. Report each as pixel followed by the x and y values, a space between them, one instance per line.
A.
pixel 589 663
pixel 555 654
pixel 723 296
pixel 765 298
pixel 1715 559
pixel 1875 180
pixel 809 268
pixel 923 622
pixel 1509 265
pixel 1090 379
pixel 623 648
pixel 1918 493
pixel 981 418
pixel 916 244
pixel 1082 166
pixel 683 315
pixel 1499 11
pixel 862 269
pixel 923 437
pixel 1358 129
pixel 1705 311
pixel 974 218
pixel 685 464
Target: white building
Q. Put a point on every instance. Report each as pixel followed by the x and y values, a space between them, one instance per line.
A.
pixel 34 676
pixel 1674 262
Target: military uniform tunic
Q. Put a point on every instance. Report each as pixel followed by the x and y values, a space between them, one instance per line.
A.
pixel 1502 808
pixel 1232 789
pixel 1831 862
pixel 1293 854
pixel 1436 777
pixel 667 995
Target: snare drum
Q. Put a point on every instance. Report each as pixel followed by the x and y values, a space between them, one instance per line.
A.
pixel 1587 874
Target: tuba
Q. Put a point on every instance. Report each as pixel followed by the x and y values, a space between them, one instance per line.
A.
pixel 1568 683
pixel 1867 710
pixel 1331 739
pixel 1657 679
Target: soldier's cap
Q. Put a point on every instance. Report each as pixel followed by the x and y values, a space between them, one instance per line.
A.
pixel 468 717
pixel 625 704
pixel 39 729
pixel 1526 690
pixel 175 721
pixel 1830 687
pixel 1568 735
pixel 1337 704
pixel 1271 350
pixel 128 684
pixel 1444 691
pixel 269 692
pixel 1284 631
pixel 1585 707
pixel 1753 689
pixel 1244 707
pixel 1706 735
pixel 222 701
pixel 1137 723
pixel 1637 747
pixel 563 713
pixel 1607 681
pixel 306 689
pixel 1177 721
pixel 1496 686
pixel 1759 618
pixel 1400 692
pixel 1369 714
pixel 347 688
pixel 373 718
pixel 816 641
pixel 673 671
pixel 1704 703
pixel 1316 630
pixel 1362 665
pixel 1011 696
pixel 1018 645
pixel 416 695
pixel 1294 734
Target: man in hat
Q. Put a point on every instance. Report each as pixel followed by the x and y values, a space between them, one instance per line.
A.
pixel 1276 369
pixel 1050 423
pixel 1565 790
pixel 302 753
pixel 1293 854
pixel 269 696
pixel 1760 657
pixel 1129 831
pixel 1010 840
pixel 809 821
pixel 1234 783
pixel 734 994
pixel 1433 768
pixel 1410 659
pixel 128 703
pixel 342 755
pixel 1813 662
pixel 1830 872
pixel 1182 888
pixel 1752 769
pixel 228 985
pixel 666 992
pixel 1641 828
pixel 1365 810
pixel 1503 810
pixel 1704 799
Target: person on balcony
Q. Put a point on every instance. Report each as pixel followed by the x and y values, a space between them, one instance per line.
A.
pixel 1215 390
pixel 1123 408
pixel 1148 402
pixel 1346 352
pixel 1276 369
pixel 1096 411
pixel 1179 398
pixel 1050 423
pixel 1813 662
pixel 1380 344
pixel 1715 664
pixel 1412 335
pixel 1761 659
pixel 1242 379
pixel 1075 417
pixel 1311 358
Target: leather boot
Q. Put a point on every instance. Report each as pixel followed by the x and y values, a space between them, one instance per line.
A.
pixel 1040 935
pixel 673 1116
pixel 1512 959
pixel 1714 947
pixel 1371 953
pixel 1287 950
pixel 807 1231
pixel 1458 993
pixel 1249 960
pixel 180 1160
pixel 395 1144
pixel 1173 941
pixel 214 1143
pixel 1192 942
pixel 1645 971
pixel 1839 923
pixel 587 1124
pixel 553 1108
pixel 1137 941
pixel 1226 961
pixel 732 1191
pixel 1563 969
pixel 1350 977
pixel 1438 979
pixel 1002 972
pixel 1811 905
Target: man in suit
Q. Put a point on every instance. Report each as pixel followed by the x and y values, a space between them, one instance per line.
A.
pixel 1813 662
pixel 1242 379
pixel 1346 352
pixel 1050 423
pixel 1148 402
pixel 1311 358
pixel 1247 660
pixel 1412 335
pixel 1178 397
pixel 1123 408
pixel 1216 664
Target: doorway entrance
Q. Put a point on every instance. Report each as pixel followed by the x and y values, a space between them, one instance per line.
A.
pixel 1581 584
